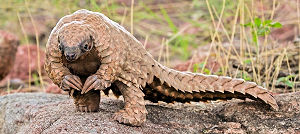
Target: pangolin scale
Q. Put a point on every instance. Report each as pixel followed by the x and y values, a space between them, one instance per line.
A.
pixel 118 61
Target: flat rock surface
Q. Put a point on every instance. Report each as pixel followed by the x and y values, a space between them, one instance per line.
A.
pixel 50 113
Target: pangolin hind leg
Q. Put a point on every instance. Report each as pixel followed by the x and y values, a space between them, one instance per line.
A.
pixel 88 102
pixel 134 112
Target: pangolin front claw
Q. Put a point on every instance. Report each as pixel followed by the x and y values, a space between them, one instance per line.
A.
pixel 71 81
pixel 92 82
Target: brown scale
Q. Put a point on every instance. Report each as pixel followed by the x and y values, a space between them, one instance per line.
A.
pixel 170 94
pixel 156 92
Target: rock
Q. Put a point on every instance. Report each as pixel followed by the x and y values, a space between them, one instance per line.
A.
pixel 54 113
pixel 286 13
pixel 8 48
pixel 19 75
pixel 24 62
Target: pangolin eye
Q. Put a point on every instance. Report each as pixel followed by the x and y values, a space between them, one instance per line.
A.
pixel 86 47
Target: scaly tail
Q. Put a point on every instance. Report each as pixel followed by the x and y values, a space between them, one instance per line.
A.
pixel 171 85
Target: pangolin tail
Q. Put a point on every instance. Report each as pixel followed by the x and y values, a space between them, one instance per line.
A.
pixel 170 85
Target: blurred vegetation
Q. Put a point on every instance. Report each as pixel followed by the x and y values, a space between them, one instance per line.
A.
pixel 173 30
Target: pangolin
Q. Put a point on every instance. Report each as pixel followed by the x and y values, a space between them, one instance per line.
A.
pixel 87 52
pixel 8 47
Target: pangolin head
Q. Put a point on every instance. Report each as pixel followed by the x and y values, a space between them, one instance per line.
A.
pixel 75 39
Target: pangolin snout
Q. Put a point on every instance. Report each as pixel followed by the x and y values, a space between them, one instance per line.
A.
pixel 71 56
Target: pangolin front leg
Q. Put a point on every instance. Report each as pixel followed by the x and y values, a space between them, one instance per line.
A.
pixel 88 102
pixel 101 80
pixel 89 98
pixel 134 112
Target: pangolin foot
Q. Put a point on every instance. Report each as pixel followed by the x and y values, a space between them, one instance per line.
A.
pixel 88 102
pixel 129 117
